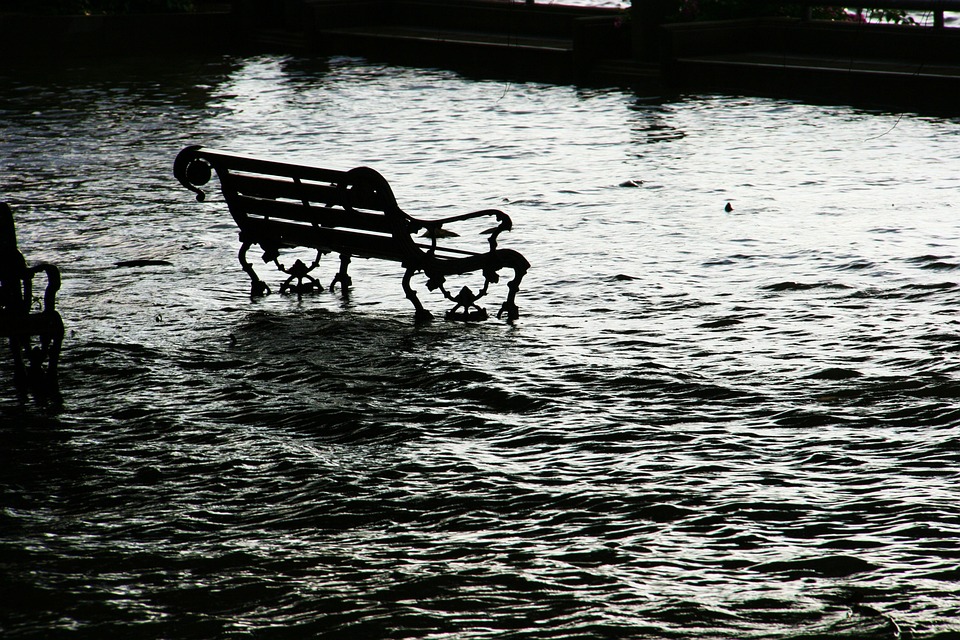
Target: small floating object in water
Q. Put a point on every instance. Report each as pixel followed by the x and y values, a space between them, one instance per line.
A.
pixel 631 183
pixel 143 263
pixel 728 208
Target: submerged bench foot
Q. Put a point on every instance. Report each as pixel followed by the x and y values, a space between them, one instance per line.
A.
pixel 258 287
pixel 342 276
pixel 20 380
pixel 420 314
pixel 509 307
pixel 35 365
pixel 511 310
pixel 42 374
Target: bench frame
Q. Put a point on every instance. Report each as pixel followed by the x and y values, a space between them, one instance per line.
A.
pixel 32 325
pixel 280 205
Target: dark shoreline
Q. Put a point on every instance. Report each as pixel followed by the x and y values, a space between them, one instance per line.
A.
pixel 29 36
pixel 872 65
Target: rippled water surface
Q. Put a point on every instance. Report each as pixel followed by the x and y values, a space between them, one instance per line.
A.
pixel 706 423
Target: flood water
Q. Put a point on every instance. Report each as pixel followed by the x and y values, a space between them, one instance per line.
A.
pixel 718 424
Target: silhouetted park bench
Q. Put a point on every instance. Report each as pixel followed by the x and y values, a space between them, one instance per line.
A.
pixel 24 319
pixel 280 205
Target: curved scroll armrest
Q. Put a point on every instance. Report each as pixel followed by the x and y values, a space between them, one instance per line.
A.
pixel 192 171
pixel 432 226
pixel 53 283
pixel 502 218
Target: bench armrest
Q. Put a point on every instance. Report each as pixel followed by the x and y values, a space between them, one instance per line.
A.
pixel 433 226
pixel 53 284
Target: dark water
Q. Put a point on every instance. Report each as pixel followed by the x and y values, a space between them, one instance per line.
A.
pixel 706 424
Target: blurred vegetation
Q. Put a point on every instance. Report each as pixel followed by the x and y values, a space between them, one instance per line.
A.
pixel 686 10
pixel 96 7
pixel 690 10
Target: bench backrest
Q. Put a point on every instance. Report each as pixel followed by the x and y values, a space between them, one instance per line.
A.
pixel 277 204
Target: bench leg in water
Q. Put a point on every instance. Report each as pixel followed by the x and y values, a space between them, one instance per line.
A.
pixel 19 371
pixel 39 374
pixel 43 379
pixel 342 276
pixel 421 314
pixel 258 287
pixel 509 306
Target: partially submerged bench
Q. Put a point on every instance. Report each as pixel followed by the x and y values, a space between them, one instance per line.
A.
pixel 32 325
pixel 280 205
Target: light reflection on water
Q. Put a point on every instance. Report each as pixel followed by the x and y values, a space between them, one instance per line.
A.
pixel 726 424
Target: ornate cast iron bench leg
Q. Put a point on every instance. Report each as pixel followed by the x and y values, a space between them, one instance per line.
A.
pixel 53 361
pixel 257 286
pixel 20 378
pixel 509 306
pixel 421 314
pixel 342 276
pixel 42 377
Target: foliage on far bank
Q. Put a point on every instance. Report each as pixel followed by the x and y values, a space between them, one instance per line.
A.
pixel 690 10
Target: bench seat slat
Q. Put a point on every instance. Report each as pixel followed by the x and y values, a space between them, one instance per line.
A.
pixel 361 245
pixel 289 234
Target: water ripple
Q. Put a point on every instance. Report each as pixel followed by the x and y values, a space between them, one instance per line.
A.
pixel 707 423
